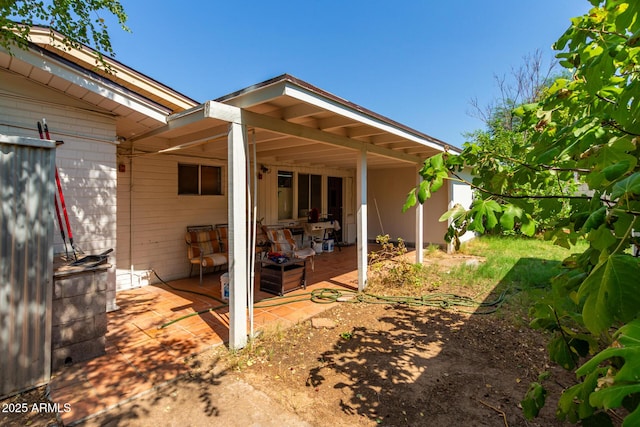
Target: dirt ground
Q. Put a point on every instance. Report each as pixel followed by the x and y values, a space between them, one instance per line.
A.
pixel 362 365
pixel 400 366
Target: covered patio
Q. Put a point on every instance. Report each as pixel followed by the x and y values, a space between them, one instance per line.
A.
pixel 281 124
pixel 159 326
pixel 127 138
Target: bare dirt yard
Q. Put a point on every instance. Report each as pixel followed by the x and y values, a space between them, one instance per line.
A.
pixel 403 366
pixel 362 365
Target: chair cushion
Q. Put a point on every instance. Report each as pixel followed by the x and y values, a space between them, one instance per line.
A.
pixel 304 253
pixel 281 240
pixel 205 242
pixel 214 260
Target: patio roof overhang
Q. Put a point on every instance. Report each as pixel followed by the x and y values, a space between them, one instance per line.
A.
pixel 294 122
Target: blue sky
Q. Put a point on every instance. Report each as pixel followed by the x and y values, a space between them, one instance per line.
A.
pixel 417 62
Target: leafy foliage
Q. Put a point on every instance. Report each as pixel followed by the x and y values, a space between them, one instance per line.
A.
pixel 535 398
pixel 578 174
pixel 390 267
pixel 79 22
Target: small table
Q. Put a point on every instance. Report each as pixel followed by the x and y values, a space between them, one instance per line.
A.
pixel 280 278
pixel 326 228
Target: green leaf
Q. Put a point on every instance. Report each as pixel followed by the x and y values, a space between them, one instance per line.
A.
pixel 561 353
pixel 423 191
pixel 437 161
pixel 633 419
pixel 484 214
pixel 626 381
pixel 602 238
pixel 534 400
pixel 528 226
pixel 595 219
pixel 629 185
pixel 491 208
pixel 574 402
pixel 629 334
pixel 509 214
pixel 454 213
pixel 611 397
pixel 410 201
pixel 615 171
pixel 438 181
pixel 610 292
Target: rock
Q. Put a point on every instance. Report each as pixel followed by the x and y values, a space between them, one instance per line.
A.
pixel 322 322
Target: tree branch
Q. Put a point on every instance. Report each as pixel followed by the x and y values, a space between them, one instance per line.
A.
pixel 521 197
pixel 610 101
pixel 604 32
pixel 614 125
pixel 609 202
pixel 542 167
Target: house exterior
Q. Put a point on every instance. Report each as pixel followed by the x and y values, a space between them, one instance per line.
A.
pixel 140 162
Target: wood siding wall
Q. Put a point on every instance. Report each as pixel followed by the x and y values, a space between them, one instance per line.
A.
pixel 152 217
pixel 86 161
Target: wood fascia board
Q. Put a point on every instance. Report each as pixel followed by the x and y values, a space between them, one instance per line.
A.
pixel 304 132
pixel 337 108
pixel 220 111
pixel 85 80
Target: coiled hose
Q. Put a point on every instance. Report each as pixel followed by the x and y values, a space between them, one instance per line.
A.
pixel 332 295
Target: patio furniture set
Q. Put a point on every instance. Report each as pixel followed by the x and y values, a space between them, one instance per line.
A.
pixel 282 261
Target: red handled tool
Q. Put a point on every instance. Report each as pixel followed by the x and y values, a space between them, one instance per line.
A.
pixel 60 196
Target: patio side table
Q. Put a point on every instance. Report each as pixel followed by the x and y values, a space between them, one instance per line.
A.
pixel 280 278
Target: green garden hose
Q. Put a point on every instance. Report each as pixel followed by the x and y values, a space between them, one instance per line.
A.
pixel 331 295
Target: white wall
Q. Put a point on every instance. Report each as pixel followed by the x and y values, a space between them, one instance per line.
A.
pixel 86 161
pixel 462 194
pixel 387 192
pixel 149 204
pixel 159 217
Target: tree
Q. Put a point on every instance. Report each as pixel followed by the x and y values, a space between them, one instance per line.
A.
pixel 523 85
pixel 503 144
pixel 78 21
pixel 584 129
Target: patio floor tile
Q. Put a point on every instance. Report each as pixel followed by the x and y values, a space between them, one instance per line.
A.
pixel 140 354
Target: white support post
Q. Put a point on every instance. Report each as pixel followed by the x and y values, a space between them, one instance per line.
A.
pixel 450 204
pixel 361 197
pixel 238 243
pixel 419 226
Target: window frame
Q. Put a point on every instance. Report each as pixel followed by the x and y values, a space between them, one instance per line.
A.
pixel 218 188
